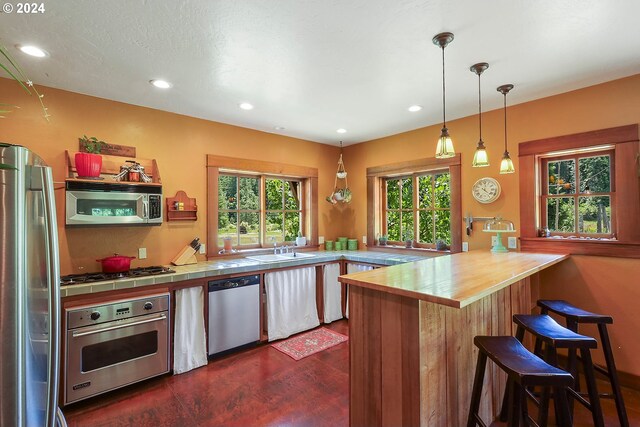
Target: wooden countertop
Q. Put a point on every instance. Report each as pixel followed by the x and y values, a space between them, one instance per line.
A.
pixel 456 280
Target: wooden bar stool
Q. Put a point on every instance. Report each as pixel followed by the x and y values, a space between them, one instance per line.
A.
pixel 574 316
pixel 524 369
pixel 555 336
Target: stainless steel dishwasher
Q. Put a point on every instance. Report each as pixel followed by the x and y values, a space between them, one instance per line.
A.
pixel 234 313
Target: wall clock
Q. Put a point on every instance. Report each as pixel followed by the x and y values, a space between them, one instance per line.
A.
pixel 486 190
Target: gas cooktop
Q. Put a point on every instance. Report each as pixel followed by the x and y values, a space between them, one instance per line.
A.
pixel 77 279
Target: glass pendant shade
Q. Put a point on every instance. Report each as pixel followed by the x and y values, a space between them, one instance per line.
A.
pixel 506 165
pixel 480 158
pixel 444 148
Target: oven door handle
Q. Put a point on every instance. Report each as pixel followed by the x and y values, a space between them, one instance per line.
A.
pixel 98 329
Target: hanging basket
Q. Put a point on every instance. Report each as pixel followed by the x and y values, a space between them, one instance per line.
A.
pixel 340 194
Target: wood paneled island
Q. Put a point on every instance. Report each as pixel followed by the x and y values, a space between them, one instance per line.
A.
pixel 411 330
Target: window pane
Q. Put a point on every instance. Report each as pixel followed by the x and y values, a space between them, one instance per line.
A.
pixel 425 192
pixel 561 176
pixel 249 193
pixel 292 195
pixel 425 231
pixel 443 226
pixel 227 192
pixel 407 193
pixel 561 214
pixel 291 226
pixel 274 189
pixel 594 214
pixel 249 228
pixel 393 225
pixel 407 225
pixel 442 190
pixel 275 229
pixel 227 227
pixel 393 194
pixel 595 174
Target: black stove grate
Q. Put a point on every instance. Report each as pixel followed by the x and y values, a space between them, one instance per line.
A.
pixel 77 279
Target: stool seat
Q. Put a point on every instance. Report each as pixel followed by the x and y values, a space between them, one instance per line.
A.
pixel 520 363
pixel 551 332
pixel 574 313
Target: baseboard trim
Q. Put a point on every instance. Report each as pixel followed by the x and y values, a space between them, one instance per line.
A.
pixel 626 379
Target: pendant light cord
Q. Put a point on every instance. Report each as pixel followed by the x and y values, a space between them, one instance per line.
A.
pixel 444 107
pixel 505 122
pixel 480 107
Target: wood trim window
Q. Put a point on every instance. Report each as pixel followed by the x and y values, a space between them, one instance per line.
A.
pixel 585 211
pixel 404 200
pixel 263 200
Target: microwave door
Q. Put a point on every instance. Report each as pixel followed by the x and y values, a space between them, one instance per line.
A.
pixel 104 208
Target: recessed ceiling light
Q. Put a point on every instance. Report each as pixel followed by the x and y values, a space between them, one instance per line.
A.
pixel 279 128
pixel 33 51
pixel 162 84
pixel 246 106
pixel 341 130
pixel 415 108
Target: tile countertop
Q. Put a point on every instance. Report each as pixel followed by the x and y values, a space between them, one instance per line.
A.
pixel 211 269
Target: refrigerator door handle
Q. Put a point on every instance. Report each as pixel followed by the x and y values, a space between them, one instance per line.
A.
pixel 53 277
pixel 61 421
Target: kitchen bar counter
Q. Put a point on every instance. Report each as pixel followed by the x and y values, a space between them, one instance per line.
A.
pixel 213 269
pixel 411 329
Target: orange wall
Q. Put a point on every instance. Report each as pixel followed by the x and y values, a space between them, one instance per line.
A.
pixel 178 143
pixel 606 282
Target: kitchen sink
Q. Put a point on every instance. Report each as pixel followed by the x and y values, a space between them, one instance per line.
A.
pixel 279 257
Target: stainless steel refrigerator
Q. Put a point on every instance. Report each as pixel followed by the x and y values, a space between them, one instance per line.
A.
pixel 29 292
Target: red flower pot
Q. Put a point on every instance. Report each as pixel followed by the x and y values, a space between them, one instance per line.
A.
pixel 88 164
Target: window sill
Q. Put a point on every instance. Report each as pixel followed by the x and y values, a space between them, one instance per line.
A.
pixel 398 248
pixel 610 248
pixel 241 253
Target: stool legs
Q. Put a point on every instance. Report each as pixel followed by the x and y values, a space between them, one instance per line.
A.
pixel 477 390
pixel 613 375
pixel 594 398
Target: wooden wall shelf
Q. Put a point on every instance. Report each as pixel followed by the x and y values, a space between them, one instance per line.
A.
pixel 111 167
pixel 190 211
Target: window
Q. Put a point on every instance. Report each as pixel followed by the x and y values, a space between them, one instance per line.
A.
pixel 425 218
pixel 584 188
pixel 418 200
pixel 256 203
pixel 577 194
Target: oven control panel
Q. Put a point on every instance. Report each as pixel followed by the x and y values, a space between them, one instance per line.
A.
pixel 116 310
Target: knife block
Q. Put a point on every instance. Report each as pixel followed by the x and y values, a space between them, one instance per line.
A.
pixel 186 256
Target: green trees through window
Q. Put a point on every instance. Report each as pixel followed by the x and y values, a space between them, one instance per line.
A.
pixel 418 207
pixel 241 210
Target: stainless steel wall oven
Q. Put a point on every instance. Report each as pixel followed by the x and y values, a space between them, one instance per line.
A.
pixel 115 344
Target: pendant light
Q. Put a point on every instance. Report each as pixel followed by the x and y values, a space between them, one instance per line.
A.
pixel 480 158
pixel 506 165
pixel 444 149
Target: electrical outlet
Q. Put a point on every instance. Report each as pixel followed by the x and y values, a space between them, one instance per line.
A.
pixel 494 240
pixel 142 253
pixel 512 243
pixel 203 248
pixel 465 246
pixel 364 239
pixel 320 240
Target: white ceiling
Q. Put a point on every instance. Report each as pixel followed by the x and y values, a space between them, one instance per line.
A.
pixel 313 66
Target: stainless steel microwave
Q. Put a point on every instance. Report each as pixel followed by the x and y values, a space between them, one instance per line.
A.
pixel 102 203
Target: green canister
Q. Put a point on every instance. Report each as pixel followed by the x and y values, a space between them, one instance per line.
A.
pixel 338 245
pixel 328 245
pixel 352 244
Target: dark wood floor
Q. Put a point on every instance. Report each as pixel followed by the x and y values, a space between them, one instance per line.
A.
pixel 257 387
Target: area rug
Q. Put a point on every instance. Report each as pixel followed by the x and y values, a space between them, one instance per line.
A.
pixel 309 343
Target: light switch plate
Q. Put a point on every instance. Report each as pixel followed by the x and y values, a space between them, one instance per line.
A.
pixel 142 253
pixel 494 240
pixel 512 243
pixel 465 246
pixel 364 239
pixel 320 240
pixel 203 248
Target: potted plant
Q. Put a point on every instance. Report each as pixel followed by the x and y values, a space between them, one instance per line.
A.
pixel 89 163
pixel 408 239
pixel 382 240
pixel 301 240
pixel 441 245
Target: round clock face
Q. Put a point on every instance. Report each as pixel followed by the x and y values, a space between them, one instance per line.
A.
pixel 486 190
